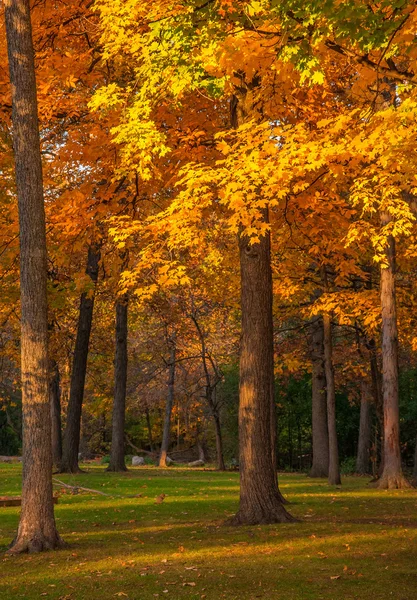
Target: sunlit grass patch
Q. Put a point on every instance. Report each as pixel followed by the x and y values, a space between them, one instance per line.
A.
pixel 355 542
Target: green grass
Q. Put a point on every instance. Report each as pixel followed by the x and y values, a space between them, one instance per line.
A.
pixel 353 543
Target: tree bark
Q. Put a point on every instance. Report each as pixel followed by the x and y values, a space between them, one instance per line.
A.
pixel 37 529
pixel 334 468
pixel 168 407
pixel 200 449
pixel 320 463
pixel 117 451
pixel 55 395
pixel 260 501
pixel 365 429
pixel 392 476
pixel 79 369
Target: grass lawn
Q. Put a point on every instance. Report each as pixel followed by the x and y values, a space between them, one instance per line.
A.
pixel 353 543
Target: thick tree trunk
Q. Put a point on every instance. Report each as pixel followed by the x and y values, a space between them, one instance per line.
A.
pixel 37 530
pixel 334 468
pixel 363 458
pixel 55 395
pixel 79 369
pixel 392 476
pixel 260 501
pixel 117 451
pixel 320 463
pixel 168 407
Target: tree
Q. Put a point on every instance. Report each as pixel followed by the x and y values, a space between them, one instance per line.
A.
pixel 392 476
pixel 69 462
pixel 172 345
pixel 117 451
pixel 260 501
pixel 334 469
pixel 320 465
pixel 296 150
pixel 212 379
pixel 37 529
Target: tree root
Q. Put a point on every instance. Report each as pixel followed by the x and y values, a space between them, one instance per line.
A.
pixel 242 517
pixel 35 543
pixel 121 469
pixel 393 482
pixel 282 498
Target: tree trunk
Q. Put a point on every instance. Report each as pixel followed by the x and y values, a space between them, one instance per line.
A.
pixel 168 407
pixel 200 449
pixel 37 529
pixel 320 464
pixel 79 369
pixel 392 476
pixel 260 500
pixel 365 429
pixel 117 451
pixel 334 468
pixel 55 395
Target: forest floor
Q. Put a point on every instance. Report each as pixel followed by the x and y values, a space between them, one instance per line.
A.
pixel 352 543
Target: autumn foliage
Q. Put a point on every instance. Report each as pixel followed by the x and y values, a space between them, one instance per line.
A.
pixel 180 138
